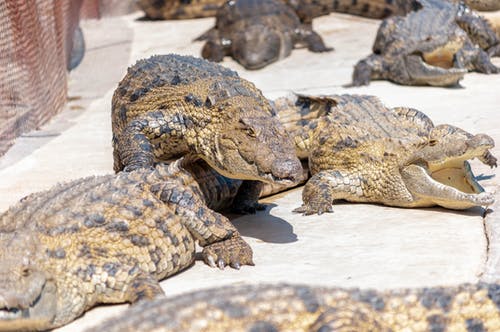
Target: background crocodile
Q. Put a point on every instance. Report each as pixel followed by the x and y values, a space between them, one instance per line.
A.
pixel 362 151
pixel 304 308
pixel 256 33
pixel 106 239
pixel 434 45
pixel 171 105
pixel 306 9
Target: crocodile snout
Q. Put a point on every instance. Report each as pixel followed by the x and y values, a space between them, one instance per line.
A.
pixel 289 170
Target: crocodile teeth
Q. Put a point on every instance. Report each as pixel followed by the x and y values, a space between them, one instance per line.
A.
pixel 6 314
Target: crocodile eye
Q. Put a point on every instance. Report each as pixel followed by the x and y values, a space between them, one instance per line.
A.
pixel 25 271
pixel 433 142
pixel 251 132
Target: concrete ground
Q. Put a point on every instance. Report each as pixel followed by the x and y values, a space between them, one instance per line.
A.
pixel 358 245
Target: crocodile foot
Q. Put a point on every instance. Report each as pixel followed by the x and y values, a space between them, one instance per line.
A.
pixel 314 207
pixel 233 252
pixel 248 208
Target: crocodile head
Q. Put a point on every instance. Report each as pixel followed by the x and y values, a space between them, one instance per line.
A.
pixel 446 154
pixel 27 295
pixel 432 61
pixel 258 46
pixel 422 48
pixel 253 145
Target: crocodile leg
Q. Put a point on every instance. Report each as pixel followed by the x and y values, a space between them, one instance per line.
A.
pixel 222 243
pixel 246 201
pixel 426 189
pixel 143 287
pixel 312 39
pixel 134 148
pixel 325 187
pixel 479 31
pixel 371 67
pixel 213 49
pixel 474 58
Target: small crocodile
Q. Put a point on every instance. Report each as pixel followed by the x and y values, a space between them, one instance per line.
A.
pixel 257 33
pixel 435 45
pixel 362 151
pixel 105 239
pixel 283 307
pixel 170 105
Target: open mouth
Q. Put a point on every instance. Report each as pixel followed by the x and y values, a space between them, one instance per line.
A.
pixel 13 313
pixel 284 181
pixel 38 315
pixel 457 172
pixel 422 72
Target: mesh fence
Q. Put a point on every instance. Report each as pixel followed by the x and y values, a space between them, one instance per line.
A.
pixel 35 44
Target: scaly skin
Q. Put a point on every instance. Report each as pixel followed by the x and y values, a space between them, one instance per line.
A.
pixel 362 151
pixel 106 239
pixel 486 5
pixel 179 9
pixel 257 33
pixel 304 308
pixel 306 9
pixel 435 45
pixel 169 106
pixel 309 9
pixel 299 115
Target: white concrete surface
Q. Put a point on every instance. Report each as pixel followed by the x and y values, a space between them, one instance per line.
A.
pixel 358 245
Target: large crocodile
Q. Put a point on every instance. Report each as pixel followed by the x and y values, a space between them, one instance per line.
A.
pixel 304 308
pixel 171 105
pixel 435 45
pixel 362 151
pixel 306 9
pixel 106 239
pixel 256 33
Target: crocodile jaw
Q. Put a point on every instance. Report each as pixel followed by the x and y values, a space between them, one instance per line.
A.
pixel 456 174
pixel 421 72
pixel 39 315
pixel 443 56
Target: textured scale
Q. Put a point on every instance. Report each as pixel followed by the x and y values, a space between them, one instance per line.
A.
pixel 109 239
pixel 256 33
pixel 306 9
pixel 434 45
pixel 168 106
pixel 361 151
pixel 304 308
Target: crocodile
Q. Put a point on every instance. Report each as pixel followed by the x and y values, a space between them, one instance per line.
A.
pixel 434 45
pixel 257 33
pixel 168 106
pixel 290 307
pixel 106 239
pixel 362 151
pixel 483 5
pixel 306 9
pixel 179 9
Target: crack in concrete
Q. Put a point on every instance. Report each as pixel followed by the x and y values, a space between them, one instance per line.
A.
pixel 487 238
pixel 491 261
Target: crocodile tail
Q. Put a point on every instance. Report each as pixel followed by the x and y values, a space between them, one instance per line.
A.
pixel 309 9
pixel 179 9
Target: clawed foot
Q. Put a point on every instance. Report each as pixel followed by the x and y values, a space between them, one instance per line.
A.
pixel 233 252
pixel 314 208
pixel 248 208
pixel 362 74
